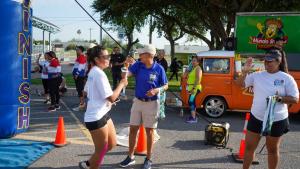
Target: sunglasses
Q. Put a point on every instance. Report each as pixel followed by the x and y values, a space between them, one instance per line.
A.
pixel 106 57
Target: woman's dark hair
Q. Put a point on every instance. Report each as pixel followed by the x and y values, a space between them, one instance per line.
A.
pixel 93 53
pixel 283 65
pixel 80 48
pixel 196 57
pixel 52 54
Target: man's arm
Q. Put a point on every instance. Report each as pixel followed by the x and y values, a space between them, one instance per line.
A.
pixel 155 91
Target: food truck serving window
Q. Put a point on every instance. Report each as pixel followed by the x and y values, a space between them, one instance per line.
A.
pixel 216 65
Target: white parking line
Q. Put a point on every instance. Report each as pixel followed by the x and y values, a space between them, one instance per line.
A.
pixel 83 129
pixel 49 131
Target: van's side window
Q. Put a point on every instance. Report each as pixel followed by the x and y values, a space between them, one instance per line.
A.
pixel 216 65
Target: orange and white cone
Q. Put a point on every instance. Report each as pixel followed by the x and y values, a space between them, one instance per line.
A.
pixel 141 148
pixel 60 139
pixel 239 157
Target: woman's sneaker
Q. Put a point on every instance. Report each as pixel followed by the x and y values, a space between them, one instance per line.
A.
pixel 192 120
pixel 127 162
pixel 80 107
pixel 51 108
pixel 57 106
pixel 83 165
pixel 147 164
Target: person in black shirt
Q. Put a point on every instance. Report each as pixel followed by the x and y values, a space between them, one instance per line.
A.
pixel 116 63
pixel 174 68
pixel 160 59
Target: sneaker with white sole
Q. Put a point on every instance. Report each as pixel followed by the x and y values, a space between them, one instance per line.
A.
pixel 47 101
pixel 147 164
pixel 83 165
pixel 57 106
pixel 192 120
pixel 51 108
pixel 76 108
pixel 79 108
pixel 127 162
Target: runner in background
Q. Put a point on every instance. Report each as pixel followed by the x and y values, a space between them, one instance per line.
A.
pixel 43 69
pixel 79 76
pixel 54 75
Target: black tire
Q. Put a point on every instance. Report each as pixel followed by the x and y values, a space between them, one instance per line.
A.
pixel 215 107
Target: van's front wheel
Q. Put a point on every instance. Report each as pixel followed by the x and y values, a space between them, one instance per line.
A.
pixel 215 107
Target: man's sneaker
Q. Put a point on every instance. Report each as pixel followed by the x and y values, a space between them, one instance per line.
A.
pixel 47 101
pixel 83 165
pixel 192 120
pixel 57 106
pixel 147 164
pixel 51 108
pixel 127 162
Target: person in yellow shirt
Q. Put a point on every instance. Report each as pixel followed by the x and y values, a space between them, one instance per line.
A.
pixel 194 87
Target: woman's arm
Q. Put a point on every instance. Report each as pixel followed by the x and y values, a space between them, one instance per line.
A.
pixel 123 83
pixel 246 69
pixel 287 99
pixel 38 59
pixel 198 75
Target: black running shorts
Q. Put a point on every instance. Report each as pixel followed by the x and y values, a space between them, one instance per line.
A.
pixel 97 124
pixel 278 128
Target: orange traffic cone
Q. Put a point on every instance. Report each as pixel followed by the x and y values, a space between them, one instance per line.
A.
pixel 141 148
pixel 239 157
pixel 60 139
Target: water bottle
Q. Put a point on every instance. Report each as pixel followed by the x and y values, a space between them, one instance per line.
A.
pixel 181 113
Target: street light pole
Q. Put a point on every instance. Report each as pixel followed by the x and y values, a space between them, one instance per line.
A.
pixel 100 41
pixel 90 35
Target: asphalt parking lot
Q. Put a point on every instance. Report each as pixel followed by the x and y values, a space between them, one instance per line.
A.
pixel 181 144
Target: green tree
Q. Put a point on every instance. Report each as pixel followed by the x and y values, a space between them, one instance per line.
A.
pixel 71 46
pixel 108 43
pixel 169 29
pixel 40 42
pixel 194 17
pixel 217 17
pixel 121 14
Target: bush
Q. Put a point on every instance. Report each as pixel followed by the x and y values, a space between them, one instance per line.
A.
pixel 71 47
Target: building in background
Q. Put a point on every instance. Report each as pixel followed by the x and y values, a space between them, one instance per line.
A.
pixel 183 52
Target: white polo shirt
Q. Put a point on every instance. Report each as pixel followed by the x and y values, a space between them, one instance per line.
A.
pixel 267 84
pixel 98 89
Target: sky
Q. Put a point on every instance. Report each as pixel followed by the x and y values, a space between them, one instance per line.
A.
pixel 67 15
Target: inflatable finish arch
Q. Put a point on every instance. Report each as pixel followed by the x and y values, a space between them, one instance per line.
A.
pixel 15 47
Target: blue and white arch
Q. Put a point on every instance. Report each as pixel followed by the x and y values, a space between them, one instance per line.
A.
pixel 15 66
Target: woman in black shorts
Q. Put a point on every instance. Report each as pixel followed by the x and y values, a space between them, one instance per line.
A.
pixel 100 98
pixel 274 83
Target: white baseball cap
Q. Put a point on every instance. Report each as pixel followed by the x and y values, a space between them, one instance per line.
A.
pixel 92 45
pixel 147 49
